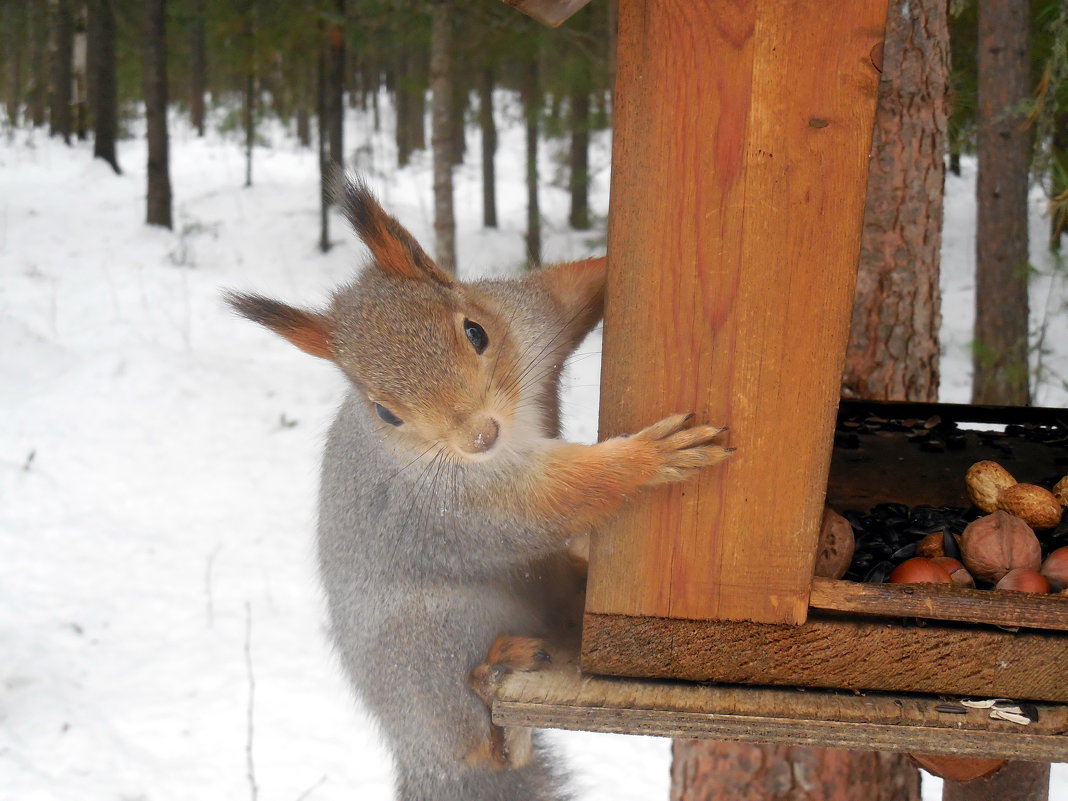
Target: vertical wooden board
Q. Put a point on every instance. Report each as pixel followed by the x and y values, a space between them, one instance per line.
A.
pixel 741 142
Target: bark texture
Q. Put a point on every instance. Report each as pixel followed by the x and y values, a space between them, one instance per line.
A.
pixel 1018 781
pixel 489 148
pixel 1003 149
pixel 198 68
pixel 103 97
pixel 155 79
pixel 893 352
pixel 442 135
pixel 749 772
pixel 62 120
pixel 531 92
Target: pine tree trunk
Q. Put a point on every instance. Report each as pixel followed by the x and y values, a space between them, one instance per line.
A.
pixel 198 68
pixel 531 95
pixel 579 179
pixel 403 109
pixel 893 351
pixel 80 75
pixel 249 111
pixel 441 87
pixel 1017 781
pixel 14 17
pixel 155 79
pixel 489 148
pixel 303 100
pixel 324 147
pixel 1003 149
pixel 104 95
pixel 416 100
pixel 336 87
pixel 37 32
pixel 751 772
pixel 61 120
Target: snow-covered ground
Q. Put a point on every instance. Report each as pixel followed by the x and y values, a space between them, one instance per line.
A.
pixel 161 626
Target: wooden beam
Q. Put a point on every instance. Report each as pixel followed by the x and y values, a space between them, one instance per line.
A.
pixel 740 157
pixel 941 602
pixel 560 697
pixel 880 655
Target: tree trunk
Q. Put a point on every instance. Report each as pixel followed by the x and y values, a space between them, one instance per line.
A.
pixel 303 101
pixel 403 108
pixel 1003 149
pixel 1017 781
pixel 104 96
pixel 155 78
pixel 335 98
pixel 416 94
pixel 893 352
pixel 531 93
pixel 751 772
pixel 249 111
pixel 324 148
pixel 489 148
pixel 579 179
pixel 37 33
pixel 80 76
pixel 198 68
pixel 14 17
pixel 60 118
pixel 442 135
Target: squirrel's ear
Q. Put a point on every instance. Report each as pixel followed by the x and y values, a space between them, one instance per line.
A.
pixel 578 288
pixel 394 249
pixel 309 331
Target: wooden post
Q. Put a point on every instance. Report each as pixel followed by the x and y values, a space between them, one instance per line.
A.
pixel 741 144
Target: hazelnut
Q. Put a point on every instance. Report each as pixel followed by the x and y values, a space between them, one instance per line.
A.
pixel 961 577
pixel 985 481
pixel 931 545
pixel 1055 568
pixel 835 550
pixel 958 769
pixel 1035 505
pixel 1022 580
pixel 1060 491
pixel 919 570
pixel 993 545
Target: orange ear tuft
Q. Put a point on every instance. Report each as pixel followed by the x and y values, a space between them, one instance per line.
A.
pixel 394 249
pixel 578 287
pixel 309 331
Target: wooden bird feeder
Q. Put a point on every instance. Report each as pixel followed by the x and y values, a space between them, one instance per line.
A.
pixel 740 159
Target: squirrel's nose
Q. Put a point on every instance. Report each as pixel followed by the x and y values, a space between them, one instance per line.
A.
pixel 482 435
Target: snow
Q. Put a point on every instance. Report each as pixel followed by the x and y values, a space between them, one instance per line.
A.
pixel 161 623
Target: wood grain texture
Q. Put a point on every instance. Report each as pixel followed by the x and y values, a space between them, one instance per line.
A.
pixel 828 652
pixel 561 697
pixel 940 602
pixel 740 155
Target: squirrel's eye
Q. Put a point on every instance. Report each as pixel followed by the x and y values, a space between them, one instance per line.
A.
pixel 387 416
pixel 476 335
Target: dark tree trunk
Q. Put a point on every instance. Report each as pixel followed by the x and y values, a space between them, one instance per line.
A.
pixel 1004 150
pixel 324 147
pixel 80 75
pixel 61 119
pixel 1017 781
pixel 441 86
pixel 403 110
pixel 749 772
pixel 104 96
pixel 579 179
pixel 458 113
pixel 37 33
pixel 489 148
pixel 14 18
pixel 531 93
pixel 303 101
pixel 249 111
pixel 336 87
pixel 198 68
pixel 893 351
pixel 155 79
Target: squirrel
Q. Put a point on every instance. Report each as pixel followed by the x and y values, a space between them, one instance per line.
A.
pixel 448 501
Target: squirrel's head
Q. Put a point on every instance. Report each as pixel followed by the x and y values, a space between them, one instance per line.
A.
pixel 468 369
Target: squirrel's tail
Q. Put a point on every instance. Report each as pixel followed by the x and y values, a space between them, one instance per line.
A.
pixel 537 781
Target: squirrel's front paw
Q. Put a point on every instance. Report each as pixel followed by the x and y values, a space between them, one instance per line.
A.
pixel 679 448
